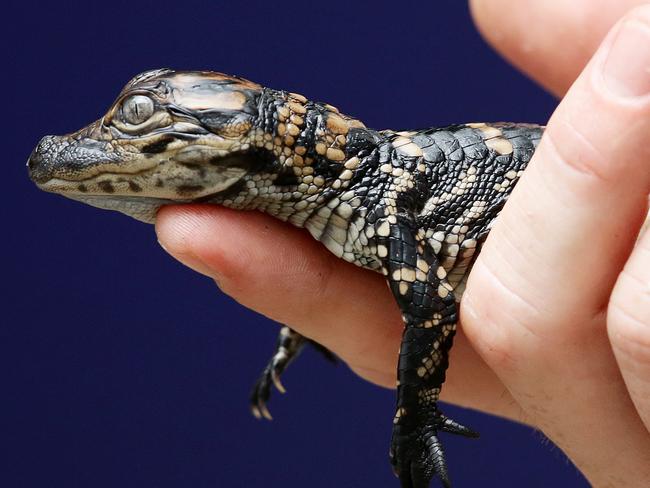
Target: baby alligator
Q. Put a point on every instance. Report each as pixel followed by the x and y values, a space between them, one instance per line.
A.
pixel 415 206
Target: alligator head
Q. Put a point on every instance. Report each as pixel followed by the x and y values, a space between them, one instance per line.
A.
pixel 169 137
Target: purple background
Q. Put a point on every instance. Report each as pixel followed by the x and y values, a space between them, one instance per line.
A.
pixel 121 368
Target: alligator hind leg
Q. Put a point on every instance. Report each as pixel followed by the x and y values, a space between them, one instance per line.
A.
pixel 429 312
pixel 289 345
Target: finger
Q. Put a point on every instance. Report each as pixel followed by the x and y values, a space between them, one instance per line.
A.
pixel 550 40
pixel 629 326
pixel 535 302
pixel 284 274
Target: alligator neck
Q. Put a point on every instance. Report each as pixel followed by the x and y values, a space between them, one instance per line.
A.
pixel 306 152
pixel 302 134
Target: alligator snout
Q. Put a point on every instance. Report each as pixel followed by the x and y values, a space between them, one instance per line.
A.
pixel 40 161
pixel 67 158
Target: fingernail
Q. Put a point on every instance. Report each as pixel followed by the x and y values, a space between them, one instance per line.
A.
pixel 199 266
pixel 627 67
pixel 192 262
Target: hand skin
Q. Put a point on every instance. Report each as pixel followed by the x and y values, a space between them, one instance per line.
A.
pixel 551 41
pixel 555 322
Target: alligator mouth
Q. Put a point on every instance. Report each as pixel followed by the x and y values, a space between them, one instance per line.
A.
pixel 103 184
pixel 143 209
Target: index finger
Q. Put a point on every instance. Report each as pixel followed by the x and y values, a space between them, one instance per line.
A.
pixel 550 40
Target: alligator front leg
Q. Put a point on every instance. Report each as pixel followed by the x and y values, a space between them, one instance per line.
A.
pixel 288 346
pixel 429 312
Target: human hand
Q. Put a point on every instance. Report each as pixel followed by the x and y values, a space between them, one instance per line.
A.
pixel 558 303
pixel 559 247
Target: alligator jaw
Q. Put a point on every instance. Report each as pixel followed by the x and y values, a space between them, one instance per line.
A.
pixel 143 209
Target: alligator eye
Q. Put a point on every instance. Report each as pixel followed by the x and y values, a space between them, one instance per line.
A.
pixel 137 109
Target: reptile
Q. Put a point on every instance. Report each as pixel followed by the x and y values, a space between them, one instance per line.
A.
pixel 415 206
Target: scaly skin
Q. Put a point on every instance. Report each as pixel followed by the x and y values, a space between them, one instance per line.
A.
pixel 415 206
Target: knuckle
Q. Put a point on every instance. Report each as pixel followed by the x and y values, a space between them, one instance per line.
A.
pixel 498 319
pixel 571 148
pixel 629 319
pixel 629 339
pixel 640 13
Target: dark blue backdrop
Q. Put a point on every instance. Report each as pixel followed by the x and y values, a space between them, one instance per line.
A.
pixel 120 368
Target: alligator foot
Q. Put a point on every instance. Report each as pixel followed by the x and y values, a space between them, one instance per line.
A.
pixel 418 456
pixel 262 389
pixel 288 346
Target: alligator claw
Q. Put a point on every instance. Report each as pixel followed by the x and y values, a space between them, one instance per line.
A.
pixel 260 411
pixel 276 381
pixel 418 456
pixel 445 424
pixel 262 389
